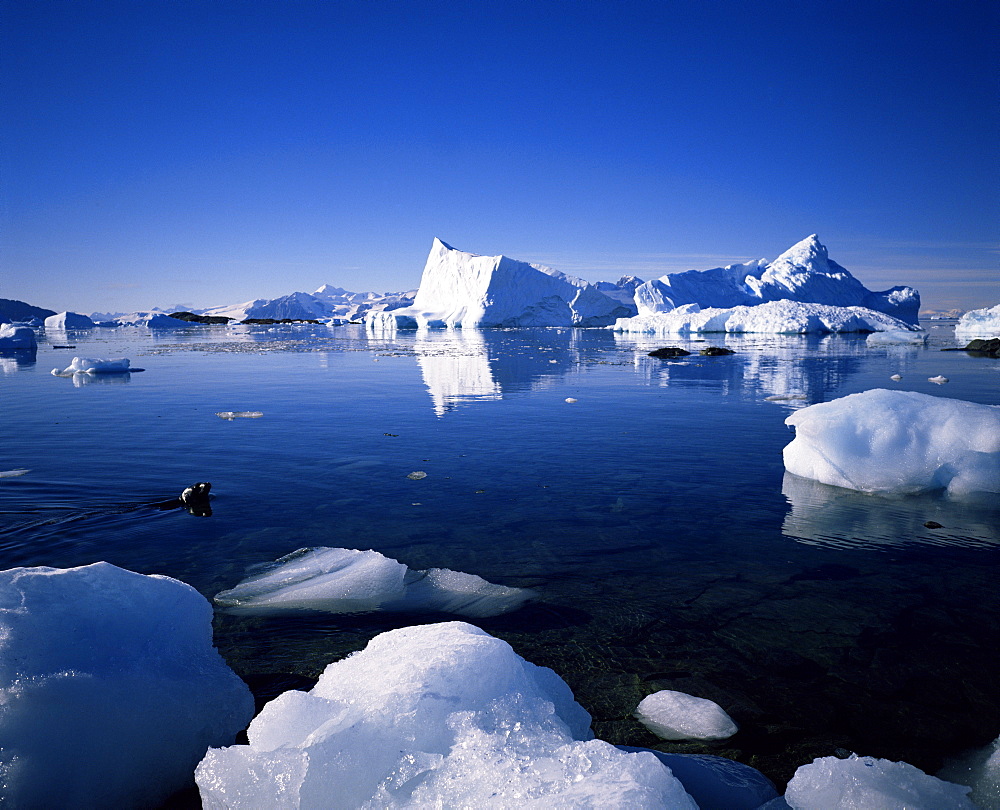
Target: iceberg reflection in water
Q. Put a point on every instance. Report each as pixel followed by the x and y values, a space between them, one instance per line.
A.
pixel 834 517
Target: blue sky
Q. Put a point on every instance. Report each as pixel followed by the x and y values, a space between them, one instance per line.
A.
pixel 205 153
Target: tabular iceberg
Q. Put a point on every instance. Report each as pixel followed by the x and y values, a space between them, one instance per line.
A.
pixel 346 580
pixel 110 688
pixel 897 442
pixel 979 323
pixel 467 290
pixel 413 719
pixel 68 320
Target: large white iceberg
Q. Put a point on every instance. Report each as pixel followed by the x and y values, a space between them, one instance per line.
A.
pixel 979 323
pixel 440 715
pixel 68 320
pixel 345 580
pixel 469 290
pixel 16 336
pixel 829 783
pixel 802 273
pixel 774 317
pixel 110 688
pixel 897 442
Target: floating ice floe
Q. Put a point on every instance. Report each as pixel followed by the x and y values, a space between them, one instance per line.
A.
pixel 775 317
pixel 93 365
pixel 940 379
pixel 678 716
pixel 344 580
pixel 440 715
pixel 459 289
pixel 829 783
pixel 68 320
pixel 15 336
pixel 979 323
pixel 13 473
pixel 897 442
pixel 231 415
pixel 896 336
pixel 110 688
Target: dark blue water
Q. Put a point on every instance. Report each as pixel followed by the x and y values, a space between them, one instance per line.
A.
pixel 652 515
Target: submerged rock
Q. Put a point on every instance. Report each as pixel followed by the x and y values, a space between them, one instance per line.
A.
pixel 669 351
pixel 716 351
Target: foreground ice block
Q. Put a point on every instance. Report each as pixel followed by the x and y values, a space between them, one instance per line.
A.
pixel 94 365
pixel 774 317
pixel 979 323
pixel 345 580
pixel 440 715
pixel 678 716
pixel 897 442
pixel 13 336
pixel 110 688
pixel 859 783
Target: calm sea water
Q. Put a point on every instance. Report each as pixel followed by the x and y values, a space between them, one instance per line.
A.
pixel 652 515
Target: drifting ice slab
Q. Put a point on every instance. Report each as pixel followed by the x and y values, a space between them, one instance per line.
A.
pixel 979 323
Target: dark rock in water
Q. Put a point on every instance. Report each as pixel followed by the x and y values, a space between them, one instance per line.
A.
pixel 716 783
pixel 192 318
pixel 194 498
pixel 669 351
pixel 990 348
pixel 933 524
pixel 64 347
pixel 715 351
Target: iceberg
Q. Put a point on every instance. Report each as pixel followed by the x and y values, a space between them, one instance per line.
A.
pixel 897 442
pixel 829 783
pixel 803 273
pixel 326 303
pixel 459 289
pixel 110 688
pixel 93 365
pixel 894 337
pixel 68 320
pixel 15 336
pixel 774 317
pixel 344 580
pixel 979 323
pixel 413 719
pixel 152 319
pixel 677 716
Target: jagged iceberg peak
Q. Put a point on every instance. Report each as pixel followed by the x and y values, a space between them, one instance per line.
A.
pixel 461 289
pixel 804 273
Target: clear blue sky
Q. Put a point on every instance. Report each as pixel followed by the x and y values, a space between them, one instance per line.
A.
pixel 203 153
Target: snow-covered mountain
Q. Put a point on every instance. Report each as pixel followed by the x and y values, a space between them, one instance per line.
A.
pixel 326 302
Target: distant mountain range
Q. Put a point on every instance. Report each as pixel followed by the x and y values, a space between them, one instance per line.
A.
pixel 18 311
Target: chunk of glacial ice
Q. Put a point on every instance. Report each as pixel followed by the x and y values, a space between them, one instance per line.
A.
pixel 440 715
pixel 110 688
pixel 344 580
pixel 979 323
pixel 678 716
pixel 896 336
pixel 93 365
pixel 897 442
pixel 829 783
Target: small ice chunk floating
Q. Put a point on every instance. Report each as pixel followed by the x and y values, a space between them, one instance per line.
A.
pixel 93 365
pixel 678 716
pixel 345 580
pixel 897 442
pixel 110 688
pixel 440 715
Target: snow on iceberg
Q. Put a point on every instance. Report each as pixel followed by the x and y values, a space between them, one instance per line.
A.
pixel 68 320
pixel 897 442
pixel 774 317
pixel 412 719
pixel 15 336
pixel 345 580
pixel 829 783
pixel 110 688
pixel 979 323
pixel 803 273
pixel 467 290
pixel 93 365
pixel 678 716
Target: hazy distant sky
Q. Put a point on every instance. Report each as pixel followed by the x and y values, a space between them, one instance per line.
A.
pixel 205 153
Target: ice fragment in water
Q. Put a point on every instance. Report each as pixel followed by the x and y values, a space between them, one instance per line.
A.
pixel 677 716
pixel 939 380
pixel 12 473
pixel 896 377
pixel 571 399
pixel 94 365
pixel 416 475
pixel 231 415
